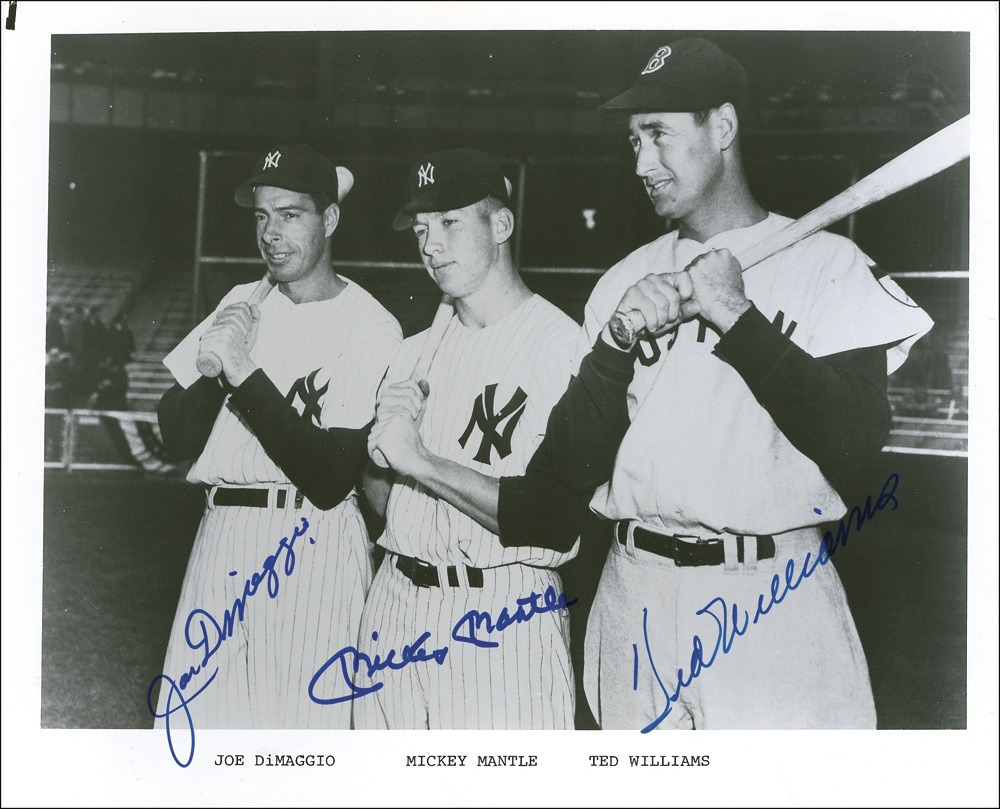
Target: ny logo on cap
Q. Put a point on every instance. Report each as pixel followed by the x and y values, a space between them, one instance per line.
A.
pixel 656 60
pixel 271 161
pixel 425 175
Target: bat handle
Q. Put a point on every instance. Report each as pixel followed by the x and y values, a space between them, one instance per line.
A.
pixel 626 326
pixel 436 331
pixel 421 367
pixel 377 457
pixel 209 364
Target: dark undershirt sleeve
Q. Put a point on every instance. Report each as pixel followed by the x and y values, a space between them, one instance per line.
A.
pixel 186 417
pixel 324 464
pixel 833 409
pixel 546 506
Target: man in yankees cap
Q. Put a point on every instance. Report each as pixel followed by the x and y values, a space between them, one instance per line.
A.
pixel 722 439
pixel 281 561
pixel 487 625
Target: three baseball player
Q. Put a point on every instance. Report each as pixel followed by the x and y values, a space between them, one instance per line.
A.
pixel 282 560
pixel 753 399
pixel 715 448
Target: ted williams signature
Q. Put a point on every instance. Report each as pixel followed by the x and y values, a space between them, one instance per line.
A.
pixel 732 622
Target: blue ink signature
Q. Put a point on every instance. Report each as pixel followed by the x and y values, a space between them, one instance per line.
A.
pixel 203 631
pixel 414 653
pixel 729 623
pixel 349 660
pixel 474 619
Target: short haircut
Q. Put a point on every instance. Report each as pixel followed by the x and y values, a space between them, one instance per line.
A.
pixel 701 116
pixel 490 205
pixel 321 201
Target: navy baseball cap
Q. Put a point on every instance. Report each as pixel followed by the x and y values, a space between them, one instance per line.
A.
pixel 684 76
pixel 449 180
pixel 297 167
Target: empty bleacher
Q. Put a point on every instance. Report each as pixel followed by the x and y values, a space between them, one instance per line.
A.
pixel 148 380
pixel 108 290
pixel 163 318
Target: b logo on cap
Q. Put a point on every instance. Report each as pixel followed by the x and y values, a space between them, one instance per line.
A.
pixel 657 60
pixel 425 175
pixel 271 161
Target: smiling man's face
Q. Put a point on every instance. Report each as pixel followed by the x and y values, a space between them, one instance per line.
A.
pixel 678 160
pixel 292 236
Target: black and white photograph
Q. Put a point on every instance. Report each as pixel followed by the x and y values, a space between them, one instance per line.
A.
pixel 546 375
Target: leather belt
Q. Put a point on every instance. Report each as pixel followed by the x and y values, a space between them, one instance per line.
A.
pixel 693 552
pixel 424 574
pixel 253 498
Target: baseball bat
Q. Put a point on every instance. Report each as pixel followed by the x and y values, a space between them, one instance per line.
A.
pixel 442 317
pixel 929 157
pixel 209 363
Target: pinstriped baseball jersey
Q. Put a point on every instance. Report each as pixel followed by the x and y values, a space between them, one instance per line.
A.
pixel 265 667
pixel 327 356
pixel 491 391
pixel 527 683
pixel 702 456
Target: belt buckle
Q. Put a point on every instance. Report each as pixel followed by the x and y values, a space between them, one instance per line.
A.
pixel 407 565
pixel 420 569
pixel 688 554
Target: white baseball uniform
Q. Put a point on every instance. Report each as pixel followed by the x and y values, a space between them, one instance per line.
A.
pixel 491 391
pixel 703 459
pixel 284 580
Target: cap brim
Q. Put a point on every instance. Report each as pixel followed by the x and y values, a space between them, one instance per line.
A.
pixel 651 99
pixel 644 99
pixel 244 194
pixel 434 200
